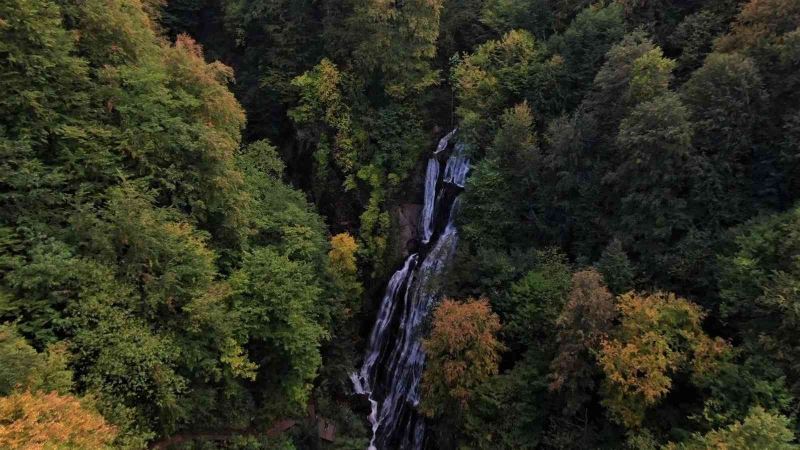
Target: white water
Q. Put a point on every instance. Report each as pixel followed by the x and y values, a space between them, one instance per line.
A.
pixel 457 167
pixel 392 369
pixel 358 387
pixel 363 379
pixel 431 177
pixel 443 142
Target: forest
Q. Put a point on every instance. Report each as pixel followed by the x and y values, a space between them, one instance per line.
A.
pixel 223 224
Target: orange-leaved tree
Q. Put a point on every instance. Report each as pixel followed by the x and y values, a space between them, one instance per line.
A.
pixel 462 353
pixel 33 421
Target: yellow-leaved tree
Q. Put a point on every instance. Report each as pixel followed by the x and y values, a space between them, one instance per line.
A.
pixel 660 335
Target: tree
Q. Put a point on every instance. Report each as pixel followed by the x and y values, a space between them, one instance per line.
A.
pixel 281 312
pixel 659 335
pixel 325 119
pixel 655 145
pixel 569 183
pixel 44 78
pixel 760 429
pixel 191 161
pixel 616 268
pixel 742 382
pixel 31 421
pixel 582 153
pixel 584 45
pixel 462 352
pixel 531 305
pixel 695 34
pixel 766 32
pixel 725 97
pixel 758 288
pixel 500 72
pixel 280 39
pixel 279 216
pixel 118 356
pixel 583 325
pixel 509 410
pixel 609 98
pixel 26 369
pixel 127 206
pixel 342 257
pixel 761 29
pixel 503 16
pixel 397 41
pixel 790 156
pixel 461 27
pixel 492 207
pixel 651 74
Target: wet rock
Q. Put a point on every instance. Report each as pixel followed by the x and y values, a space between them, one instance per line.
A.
pixel 407 216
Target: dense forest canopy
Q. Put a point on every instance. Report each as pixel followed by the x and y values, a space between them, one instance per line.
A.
pixel 201 202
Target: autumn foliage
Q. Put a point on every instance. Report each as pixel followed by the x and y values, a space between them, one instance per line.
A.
pixel 46 421
pixel 463 352
pixel 660 335
pixel 190 247
pixel 343 254
pixel 583 325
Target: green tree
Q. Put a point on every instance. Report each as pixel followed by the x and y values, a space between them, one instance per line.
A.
pixel 498 73
pixel 26 369
pixel 461 27
pixel 758 281
pixel 760 429
pixel 584 45
pixel 127 205
pixel 492 208
pixel 503 16
pixel 325 119
pixel 650 181
pixel 609 98
pixel 582 154
pixel 616 268
pixel 44 79
pixel 509 410
pixel 651 75
pixel 695 34
pixel 280 306
pixel 397 41
pixel 569 184
pixel 766 32
pixel 725 97
pixel 531 305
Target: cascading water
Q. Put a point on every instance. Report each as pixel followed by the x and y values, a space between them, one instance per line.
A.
pixel 392 368
pixel 431 178
pixel 457 167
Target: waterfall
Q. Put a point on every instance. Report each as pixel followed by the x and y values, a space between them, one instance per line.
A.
pixel 443 142
pixel 392 368
pixel 457 167
pixel 431 178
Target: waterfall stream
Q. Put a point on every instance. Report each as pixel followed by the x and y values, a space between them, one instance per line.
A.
pixel 392 368
pixel 431 178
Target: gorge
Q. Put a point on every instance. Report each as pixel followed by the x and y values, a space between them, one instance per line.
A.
pixel 392 368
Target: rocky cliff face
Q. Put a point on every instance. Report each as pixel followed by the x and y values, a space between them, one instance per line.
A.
pixel 406 216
